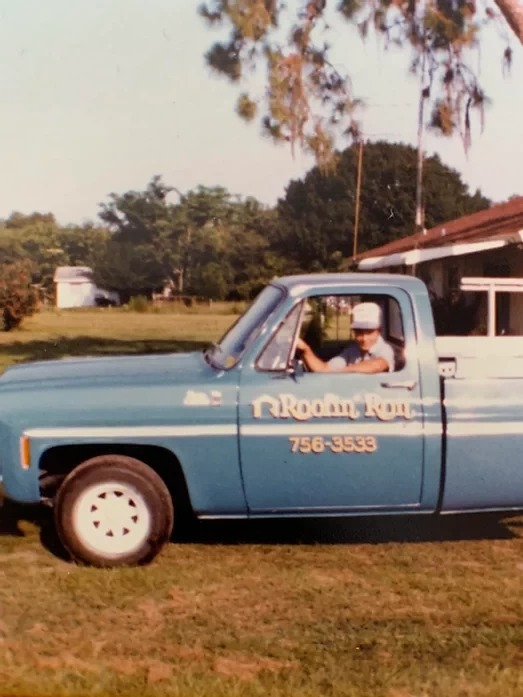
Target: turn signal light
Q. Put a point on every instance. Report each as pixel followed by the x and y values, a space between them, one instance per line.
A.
pixel 25 452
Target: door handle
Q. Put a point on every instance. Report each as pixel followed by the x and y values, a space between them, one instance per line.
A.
pixel 405 384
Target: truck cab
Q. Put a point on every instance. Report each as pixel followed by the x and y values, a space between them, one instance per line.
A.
pixel 334 442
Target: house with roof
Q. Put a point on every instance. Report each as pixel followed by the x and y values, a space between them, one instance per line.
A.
pixel 473 265
pixel 74 287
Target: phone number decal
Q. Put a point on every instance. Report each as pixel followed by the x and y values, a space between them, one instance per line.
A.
pixel 335 444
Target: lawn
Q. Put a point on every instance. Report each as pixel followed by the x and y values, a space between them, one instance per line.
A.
pixel 111 331
pixel 361 608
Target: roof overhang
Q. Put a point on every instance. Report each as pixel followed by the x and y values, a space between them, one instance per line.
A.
pixel 418 256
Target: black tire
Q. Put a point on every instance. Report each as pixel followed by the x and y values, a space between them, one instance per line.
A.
pixel 113 511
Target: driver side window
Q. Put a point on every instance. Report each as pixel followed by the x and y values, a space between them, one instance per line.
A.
pixel 327 327
pixel 325 324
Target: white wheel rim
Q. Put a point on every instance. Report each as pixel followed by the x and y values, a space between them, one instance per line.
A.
pixel 111 519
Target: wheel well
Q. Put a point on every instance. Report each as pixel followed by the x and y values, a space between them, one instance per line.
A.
pixel 56 463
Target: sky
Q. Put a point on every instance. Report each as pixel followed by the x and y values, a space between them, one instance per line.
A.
pixel 98 96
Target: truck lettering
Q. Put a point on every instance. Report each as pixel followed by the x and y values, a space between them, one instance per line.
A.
pixel 386 409
pixel 286 406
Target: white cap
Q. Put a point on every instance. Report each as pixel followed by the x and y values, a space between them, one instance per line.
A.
pixel 366 316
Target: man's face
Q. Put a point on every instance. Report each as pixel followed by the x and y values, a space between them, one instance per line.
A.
pixel 366 338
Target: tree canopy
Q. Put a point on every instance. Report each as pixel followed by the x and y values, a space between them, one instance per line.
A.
pixel 308 101
pixel 316 216
pixel 210 243
pixel 207 242
pixel 31 247
pixel 41 239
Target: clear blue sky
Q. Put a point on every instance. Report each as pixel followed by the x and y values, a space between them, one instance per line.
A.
pixel 100 95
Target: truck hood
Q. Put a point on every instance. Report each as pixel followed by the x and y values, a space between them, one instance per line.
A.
pixel 117 370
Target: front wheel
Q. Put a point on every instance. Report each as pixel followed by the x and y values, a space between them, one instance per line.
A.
pixel 113 511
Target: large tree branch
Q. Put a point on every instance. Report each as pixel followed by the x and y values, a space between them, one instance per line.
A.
pixel 309 102
pixel 513 12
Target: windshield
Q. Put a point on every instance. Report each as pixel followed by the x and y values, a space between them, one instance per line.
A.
pixel 228 351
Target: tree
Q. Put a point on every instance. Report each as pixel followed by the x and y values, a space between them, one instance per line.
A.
pixel 226 231
pixel 80 243
pixel 207 243
pixel 201 219
pixel 513 13
pixel 138 217
pixel 39 238
pixel 10 248
pixel 19 221
pixel 250 253
pixel 18 298
pixel 316 216
pixel 308 101
pixel 212 282
pixel 127 269
pixel 138 256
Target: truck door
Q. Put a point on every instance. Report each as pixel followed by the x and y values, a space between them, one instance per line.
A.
pixel 333 441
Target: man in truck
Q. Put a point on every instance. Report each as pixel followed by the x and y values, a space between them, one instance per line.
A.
pixel 367 353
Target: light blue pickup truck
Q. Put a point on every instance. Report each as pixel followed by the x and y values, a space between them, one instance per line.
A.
pixel 119 446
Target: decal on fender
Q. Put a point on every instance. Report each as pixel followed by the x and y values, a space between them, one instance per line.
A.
pixel 202 399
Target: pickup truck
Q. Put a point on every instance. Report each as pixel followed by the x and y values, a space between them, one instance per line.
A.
pixel 121 446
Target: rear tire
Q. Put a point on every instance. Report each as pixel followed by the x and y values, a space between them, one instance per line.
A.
pixel 113 511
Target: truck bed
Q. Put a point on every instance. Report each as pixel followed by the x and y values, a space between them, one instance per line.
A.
pixel 480 356
pixel 483 408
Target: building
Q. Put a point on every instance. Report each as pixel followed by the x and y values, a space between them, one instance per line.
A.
pixel 74 287
pixel 462 262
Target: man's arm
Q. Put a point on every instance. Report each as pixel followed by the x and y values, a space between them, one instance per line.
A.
pixel 311 360
pixel 317 365
pixel 371 365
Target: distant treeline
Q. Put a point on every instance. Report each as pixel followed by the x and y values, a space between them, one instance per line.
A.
pixel 209 242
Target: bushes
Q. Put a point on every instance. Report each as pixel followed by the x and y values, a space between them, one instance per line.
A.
pixel 17 298
pixel 139 303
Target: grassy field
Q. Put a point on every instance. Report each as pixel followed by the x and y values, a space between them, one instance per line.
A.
pixel 356 608
pixel 109 331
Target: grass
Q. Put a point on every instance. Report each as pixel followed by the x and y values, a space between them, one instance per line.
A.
pixel 56 334
pixel 356 608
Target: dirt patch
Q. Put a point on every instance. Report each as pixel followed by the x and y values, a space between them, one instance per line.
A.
pixel 182 602
pixel 65 660
pixel 155 670
pixel 195 653
pixel 332 578
pixel 247 668
pixel 38 630
pixel 158 671
pixel 153 612
pixel 124 666
pixel 26 555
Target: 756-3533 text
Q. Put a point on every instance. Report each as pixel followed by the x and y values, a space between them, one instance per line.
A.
pixel 333 444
